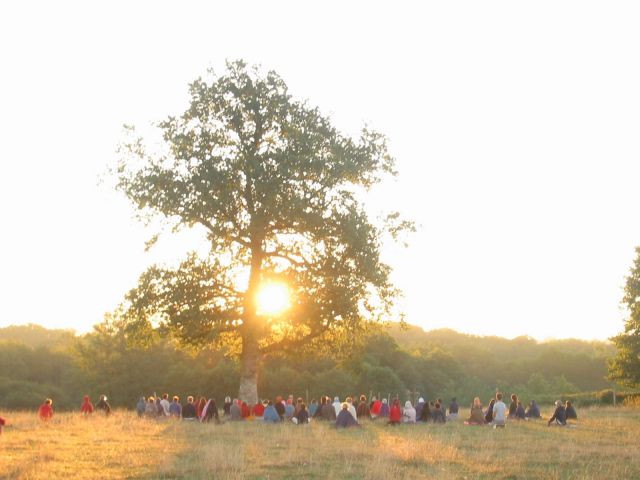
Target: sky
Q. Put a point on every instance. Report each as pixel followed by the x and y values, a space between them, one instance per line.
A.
pixel 514 126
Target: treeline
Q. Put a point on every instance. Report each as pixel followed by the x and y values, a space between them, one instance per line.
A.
pixel 36 363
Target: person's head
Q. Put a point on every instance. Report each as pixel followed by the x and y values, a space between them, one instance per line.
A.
pixel 165 396
pixel 439 401
pixel 103 397
pixel 212 403
pixel 303 406
pixel 349 400
pixel 363 398
pixel 492 401
pixel 143 399
pixel 86 398
pixel 476 402
pixel 152 400
pixel 514 397
pixel 407 404
pixel 558 403
pixel 336 400
pixel 384 401
pixel 313 401
pixel 289 401
pixel 396 402
pixel 189 399
pixel 453 400
pixel 499 396
pixel 568 403
pixel 374 399
pixel 299 401
pixel 519 403
pixel 236 401
pixel 345 406
pixel 270 404
pixel 48 401
pixel 437 406
pixel 176 399
pixel 421 400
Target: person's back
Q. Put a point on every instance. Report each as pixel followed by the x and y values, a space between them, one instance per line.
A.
pixel 476 416
pixel 352 409
pixel 270 414
pixel 258 408
pixel 384 409
pixel 235 411
pixel 210 413
pixel 303 415
pixel 103 405
pixel 344 419
pixel 363 410
pixel 437 415
pixel 279 406
pixel 570 412
pixel 164 403
pixel 520 414
pixel 45 412
pixel 513 406
pixel 175 409
pixel 499 412
pixel 419 408
pixel 489 415
pixel 337 405
pixel 289 410
pixel 533 411
pixel 141 406
pixel 328 412
pixel 87 406
pixel 313 408
pixel 409 413
pixel 189 410
pixel 150 410
pixel 395 414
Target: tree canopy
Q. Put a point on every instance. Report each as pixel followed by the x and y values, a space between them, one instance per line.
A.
pixel 625 367
pixel 277 189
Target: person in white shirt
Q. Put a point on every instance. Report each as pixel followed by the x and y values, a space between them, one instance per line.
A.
pixel 352 409
pixel 337 405
pixel 499 412
pixel 164 403
pixel 409 413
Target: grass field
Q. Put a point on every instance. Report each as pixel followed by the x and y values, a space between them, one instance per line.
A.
pixel 603 445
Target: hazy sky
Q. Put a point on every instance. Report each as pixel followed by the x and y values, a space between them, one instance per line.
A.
pixel 515 126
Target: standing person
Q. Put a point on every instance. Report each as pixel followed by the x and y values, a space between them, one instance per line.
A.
pixel 499 412
pixel 375 408
pixel 189 410
pixel 453 409
pixel 141 406
pixel 175 409
pixel 559 416
pixel 425 412
pixel 419 408
pixel 363 410
pixel 395 415
pixel 45 412
pixel 87 407
pixel 488 417
pixel 103 406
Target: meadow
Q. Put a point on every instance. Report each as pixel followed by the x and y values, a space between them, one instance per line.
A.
pixel 602 445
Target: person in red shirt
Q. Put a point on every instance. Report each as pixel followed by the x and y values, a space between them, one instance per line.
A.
pixel 258 409
pixel 45 412
pixel 246 412
pixel 395 414
pixel 2 424
pixel 87 406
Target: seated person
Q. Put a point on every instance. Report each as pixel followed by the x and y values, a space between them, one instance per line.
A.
pixel 569 411
pixel 476 416
pixel 437 416
pixel 302 417
pixel 189 410
pixel 270 414
pixel 453 409
pixel 409 413
pixel 345 419
pixel 520 413
pixel 533 411
pixel 559 416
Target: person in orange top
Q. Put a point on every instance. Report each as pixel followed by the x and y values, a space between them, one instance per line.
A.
pixel 45 412
pixel 87 406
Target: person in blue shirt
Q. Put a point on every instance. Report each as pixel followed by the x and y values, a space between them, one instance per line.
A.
pixel 175 409
pixel 271 414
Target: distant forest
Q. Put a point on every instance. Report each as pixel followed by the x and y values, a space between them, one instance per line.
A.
pixel 36 363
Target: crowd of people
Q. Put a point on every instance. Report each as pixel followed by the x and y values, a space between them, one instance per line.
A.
pixel 348 413
pixel 342 414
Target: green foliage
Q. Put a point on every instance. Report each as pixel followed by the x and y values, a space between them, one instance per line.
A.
pixel 625 367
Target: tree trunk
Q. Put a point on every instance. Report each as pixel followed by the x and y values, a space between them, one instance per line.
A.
pixel 249 371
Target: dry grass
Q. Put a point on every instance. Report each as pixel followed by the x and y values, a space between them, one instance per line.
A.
pixel 604 444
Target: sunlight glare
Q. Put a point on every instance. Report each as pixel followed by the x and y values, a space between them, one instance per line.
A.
pixel 273 299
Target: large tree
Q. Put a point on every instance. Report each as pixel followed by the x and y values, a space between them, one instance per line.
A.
pixel 277 191
pixel 625 367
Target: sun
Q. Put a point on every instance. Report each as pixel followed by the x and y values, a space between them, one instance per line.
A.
pixel 272 299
